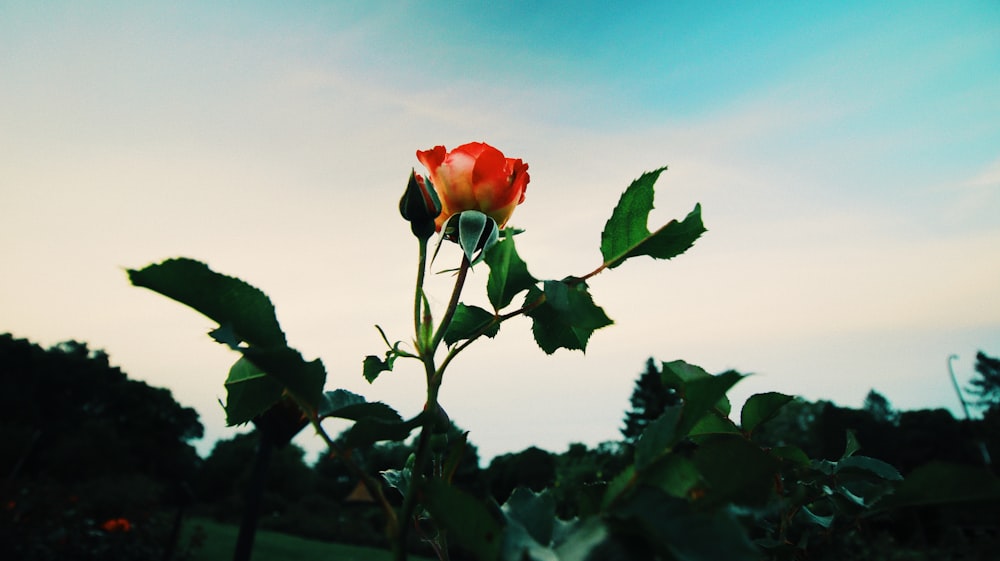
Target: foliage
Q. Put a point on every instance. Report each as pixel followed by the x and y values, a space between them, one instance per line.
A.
pixel 695 479
pixel 85 445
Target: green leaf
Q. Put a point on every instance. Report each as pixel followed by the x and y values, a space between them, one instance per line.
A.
pixel 398 479
pixel 457 447
pixel 791 454
pixel 877 467
pixel 369 430
pixel 675 475
pixel 713 423
pixel 941 483
pixel 760 408
pixel 657 438
pixel 243 312
pixel 349 405
pixel 466 520
pixel 467 321
pixel 536 512
pixel 582 539
pixel 508 274
pixel 822 521
pixel 303 379
pixel 852 445
pixel 249 392
pixel 678 531
pixel 700 391
pixel 736 471
pixel 626 234
pixel 619 486
pixel 373 366
pixel 567 317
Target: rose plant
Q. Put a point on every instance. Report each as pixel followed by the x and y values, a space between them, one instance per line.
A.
pixel 697 487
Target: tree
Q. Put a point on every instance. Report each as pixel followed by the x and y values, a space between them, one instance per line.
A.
pixel 649 400
pixel 532 468
pixel 879 407
pixel 987 385
pixel 226 472
pixel 84 445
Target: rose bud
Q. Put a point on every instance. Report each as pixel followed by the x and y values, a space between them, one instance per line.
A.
pixel 420 206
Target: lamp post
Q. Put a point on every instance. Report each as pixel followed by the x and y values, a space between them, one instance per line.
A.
pixel 958 390
pixel 965 409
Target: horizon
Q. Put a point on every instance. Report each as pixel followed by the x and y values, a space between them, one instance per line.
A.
pixel 847 160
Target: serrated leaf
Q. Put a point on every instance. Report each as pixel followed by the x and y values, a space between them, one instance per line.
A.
pixel 567 318
pixel 582 539
pixel 700 391
pixel 398 479
pixel 713 423
pixel 626 233
pixel 249 392
pixel 467 321
pixel 678 531
pixel 536 512
pixel 736 470
pixel 508 274
pixel 369 430
pixel 791 454
pixel 657 438
pixel 235 305
pixel 338 399
pixel 941 483
pixel 344 404
pixel 303 379
pixel 852 445
pixel 466 520
pixel 872 465
pixel 373 366
pixel 674 474
pixel 761 407
pixel 456 452
pixel 822 521
pixel 518 545
pixel 618 486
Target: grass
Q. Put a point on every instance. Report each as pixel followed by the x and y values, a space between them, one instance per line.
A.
pixel 219 540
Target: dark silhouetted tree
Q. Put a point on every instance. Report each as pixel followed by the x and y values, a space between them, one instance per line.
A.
pixel 649 400
pixel 879 407
pixel 532 468
pixel 227 469
pixel 83 444
pixel 986 387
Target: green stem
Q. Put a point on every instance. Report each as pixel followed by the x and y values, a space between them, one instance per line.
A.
pixel 434 377
pixel 370 483
pixel 498 319
pixel 419 295
pixel 456 293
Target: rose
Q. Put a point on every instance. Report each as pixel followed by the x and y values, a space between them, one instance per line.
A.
pixel 475 176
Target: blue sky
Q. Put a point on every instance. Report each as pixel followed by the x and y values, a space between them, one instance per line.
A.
pixel 847 157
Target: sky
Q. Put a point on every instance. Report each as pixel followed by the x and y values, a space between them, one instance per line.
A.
pixel 846 156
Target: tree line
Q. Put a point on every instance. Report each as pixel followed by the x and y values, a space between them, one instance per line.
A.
pixel 96 463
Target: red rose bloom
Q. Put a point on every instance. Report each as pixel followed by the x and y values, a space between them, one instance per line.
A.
pixel 475 176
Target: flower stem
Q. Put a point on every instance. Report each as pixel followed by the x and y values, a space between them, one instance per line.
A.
pixel 419 296
pixel 431 413
pixel 456 293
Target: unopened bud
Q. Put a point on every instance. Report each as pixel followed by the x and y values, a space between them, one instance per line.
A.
pixel 420 206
